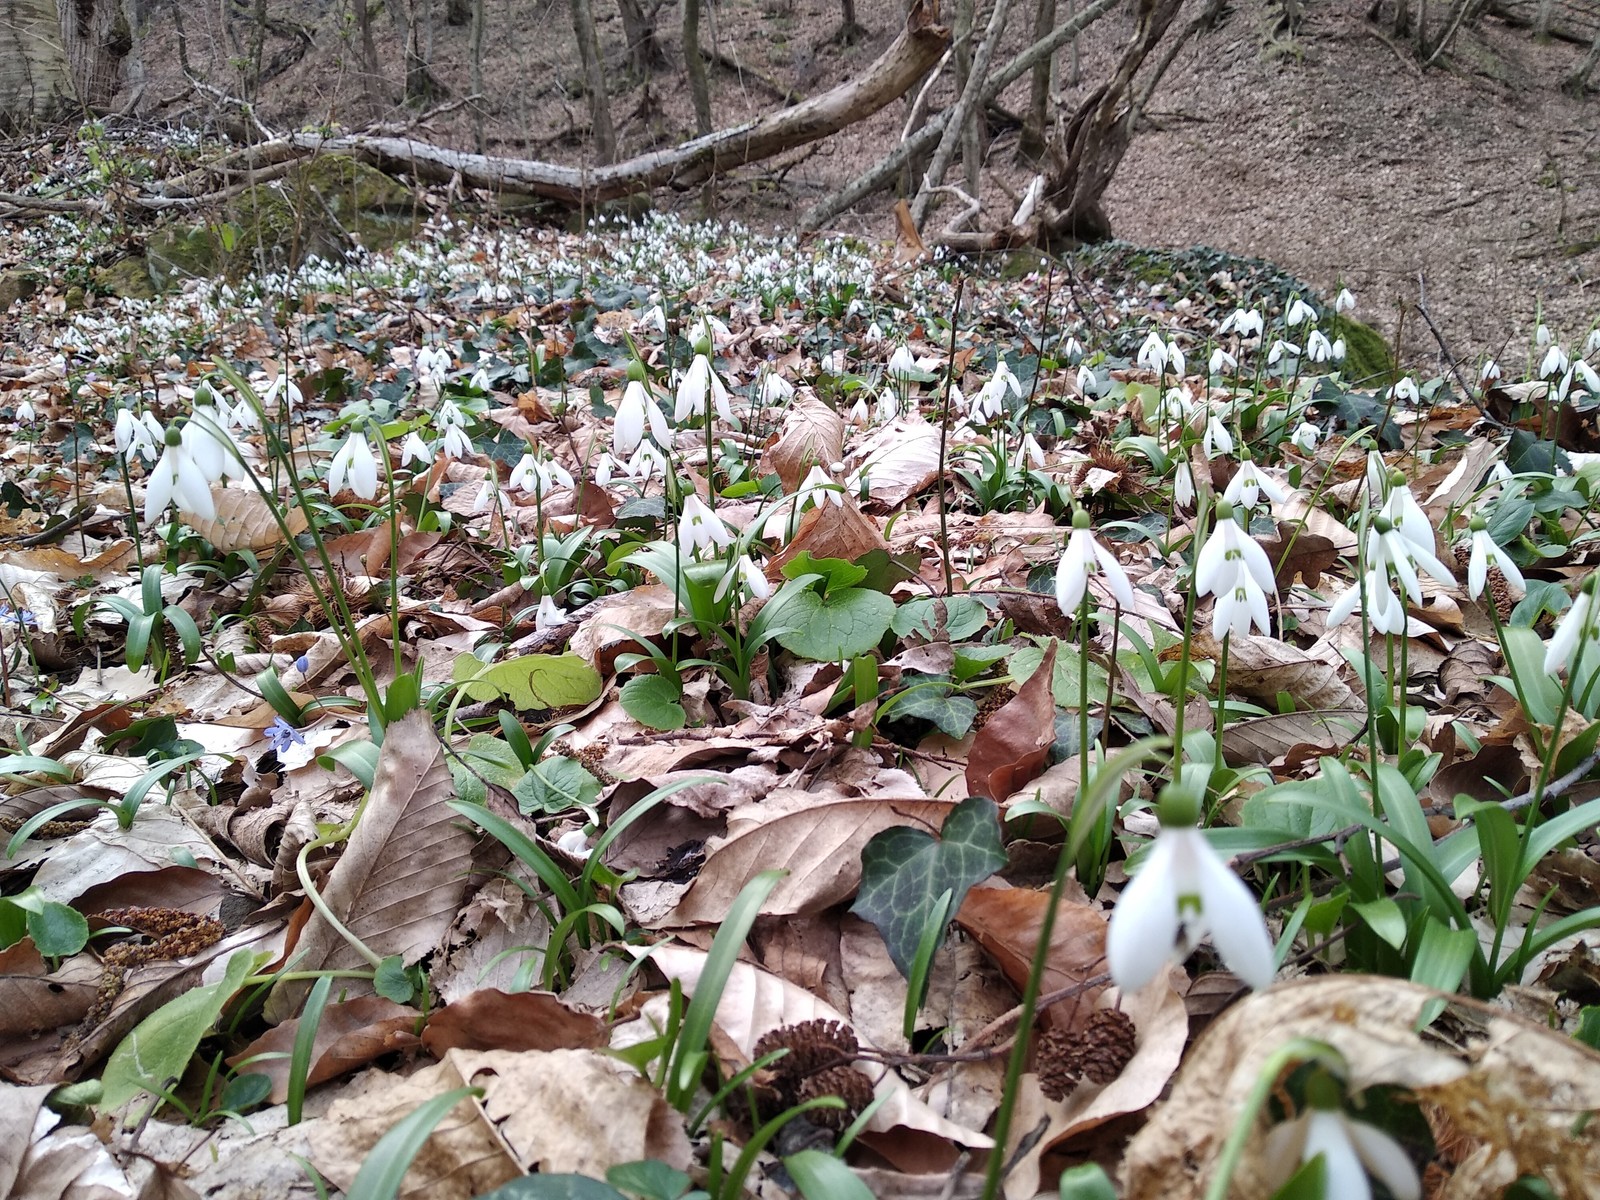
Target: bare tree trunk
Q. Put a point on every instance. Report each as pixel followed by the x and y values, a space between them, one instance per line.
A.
pixel 35 83
pixel 694 65
pixel 644 48
pixel 421 87
pixel 594 80
pixel 966 109
pixel 1036 123
pixel 475 48
pixel 1578 82
pixel 458 12
pixel 258 41
pixel 1098 135
pixel 96 38
pixel 972 136
pixel 371 76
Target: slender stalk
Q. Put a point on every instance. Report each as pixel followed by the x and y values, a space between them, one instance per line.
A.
pixel 1181 691
pixel 944 441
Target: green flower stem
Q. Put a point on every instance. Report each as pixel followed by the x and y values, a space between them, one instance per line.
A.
pixel 1222 692
pixel 1298 1050
pixel 1181 691
pixel 321 905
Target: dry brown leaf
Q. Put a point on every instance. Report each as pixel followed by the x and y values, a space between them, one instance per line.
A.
pixel 490 1019
pixel 829 531
pixel 1299 553
pixel 245 521
pixel 899 461
pixel 34 999
pixel 348 1037
pixel 1260 668
pixel 1511 1092
pixel 1006 922
pixel 813 436
pixel 1266 739
pixel 1012 747
pixel 819 845
pixel 404 872
pixel 461 1159
pixel 755 1002
pixel 607 631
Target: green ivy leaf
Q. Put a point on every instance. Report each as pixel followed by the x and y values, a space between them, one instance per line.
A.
pixel 964 616
pixel 649 1177
pixel 1064 679
pixel 158 1050
pixel 838 626
pixel 530 681
pixel 904 871
pixel 655 702
pixel 953 714
pixel 555 785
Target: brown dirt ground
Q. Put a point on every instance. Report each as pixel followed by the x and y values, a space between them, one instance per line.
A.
pixel 1335 156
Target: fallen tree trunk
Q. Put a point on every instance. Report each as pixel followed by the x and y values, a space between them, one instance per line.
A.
pixel 917 48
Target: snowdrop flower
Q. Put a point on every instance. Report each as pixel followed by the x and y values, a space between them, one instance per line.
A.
pixel 282 386
pixel 1244 322
pixel 1406 390
pixel 859 415
pixel 699 528
pixel 1185 889
pixel 901 365
pixel 1084 556
pixel 208 443
pixel 1349 1149
pixel 1490 372
pixel 1234 568
pixel 549 615
pixel 1087 383
pixel 1591 380
pixel 1183 486
pixel 1072 349
pixel 775 389
pixel 134 437
pixel 1222 361
pixel 1541 335
pixel 1306 436
pixel 414 450
pixel 1402 508
pixel 1029 453
pixel 25 414
pixel 433 362
pixel 888 406
pixel 818 488
pixel 709 330
pixel 1153 353
pixel 176 478
pixel 354 461
pixel 988 406
pixel 748 576
pixel 699 381
pixel 1388 547
pixel 1385 613
pixel 537 475
pixel 637 410
pixel 1574 631
pixel 1554 363
pixel 449 416
pixel 647 462
pixel 1248 485
pixel 604 464
pixel 1318 348
pixel 655 317
pixel 1005 379
pixel 455 443
pixel 1591 344
pixel 484 500
pixel 1344 302
pixel 874 332
pixel 479 381
pixel 1338 349
pixel 1217 439
pixel 1299 313
pixel 1486 554
pixel 1279 349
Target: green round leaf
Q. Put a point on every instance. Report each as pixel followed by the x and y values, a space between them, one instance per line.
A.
pixel 838 626
pixel 653 701
pixel 57 930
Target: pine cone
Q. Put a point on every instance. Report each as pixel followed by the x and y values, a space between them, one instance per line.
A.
pixel 847 1083
pixel 1106 1044
pixel 812 1045
pixel 1055 1062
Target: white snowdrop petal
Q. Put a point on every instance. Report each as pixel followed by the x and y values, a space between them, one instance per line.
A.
pixel 1343 1175
pixel 1144 923
pixel 1386 1159
pixel 1231 914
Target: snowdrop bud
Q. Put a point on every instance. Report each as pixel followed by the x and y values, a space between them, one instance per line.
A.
pixel 1591 344
pixel 1338 349
pixel 1299 313
pixel 1541 335
pixel 901 364
pixel 1072 349
pixel 1490 372
pixel 1345 302
pixel 1306 436
pixel 25 414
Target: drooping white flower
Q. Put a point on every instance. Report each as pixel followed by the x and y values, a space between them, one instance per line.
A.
pixel 1385 613
pixel 1183 486
pixel 525 476
pixel 775 389
pixel 1222 361
pixel 901 364
pixel 285 387
pixel 1541 335
pixel 888 405
pixel 637 410
pixel 549 615
pixel 1233 567
pixel 432 362
pixel 699 528
pixel 988 405
pixel 874 332
pixel 654 317
pixel 1407 390
pixel 818 488
pixel 1083 557
pixel 1299 313
pixel 414 450
pixel 1153 353
pixel 479 381
pixel 1344 302
pixel 1490 372
pixel 1217 439
pixel 1318 348
pixel 859 415
pixel 1248 485
pixel 603 466
pixel 1088 385
pixel 710 329
pixel 176 478
pixel 25 414
pixel 1279 349
pixel 354 461
pixel 1590 378
pixel 455 443
pixel 449 415
pixel 1071 349
pixel 1338 349
pixel 1306 436
pixel 748 576
pixel 699 381
pixel 1575 630
pixel 1244 322
pixel 1555 361
pixel 1029 453
pixel 1184 888
pixel 135 437
pixel 1591 344
pixel 210 446
pixel 1350 1150
pixel 1485 554
pixel 1402 509
pixel 648 461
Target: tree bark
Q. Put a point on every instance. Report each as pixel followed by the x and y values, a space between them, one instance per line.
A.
pixel 639 28
pixel 694 65
pixel 1578 82
pixel 1035 125
pixel 972 135
pixel 96 38
pixel 475 49
pixel 594 81
pixel 900 66
pixel 371 76
pixel 967 108
pixel 35 84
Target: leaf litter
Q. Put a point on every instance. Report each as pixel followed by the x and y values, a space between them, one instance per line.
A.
pixel 511 844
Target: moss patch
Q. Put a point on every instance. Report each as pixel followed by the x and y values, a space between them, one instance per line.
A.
pixel 1366 355
pixel 128 278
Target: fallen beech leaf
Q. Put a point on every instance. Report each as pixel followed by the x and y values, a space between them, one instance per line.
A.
pixel 1262 667
pixel 829 531
pixel 1006 922
pixel 245 521
pixel 899 461
pixel 1299 553
pixel 403 874
pixel 1266 739
pixel 490 1019
pixel 1012 747
pixel 349 1036
pixel 813 436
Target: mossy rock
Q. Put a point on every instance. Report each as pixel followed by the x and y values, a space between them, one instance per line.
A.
pixel 1366 355
pixel 16 285
pixel 128 278
pixel 326 206
pixel 177 253
pixel 1025 261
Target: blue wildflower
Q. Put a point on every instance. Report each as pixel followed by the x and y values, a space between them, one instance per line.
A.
pixel 282 735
